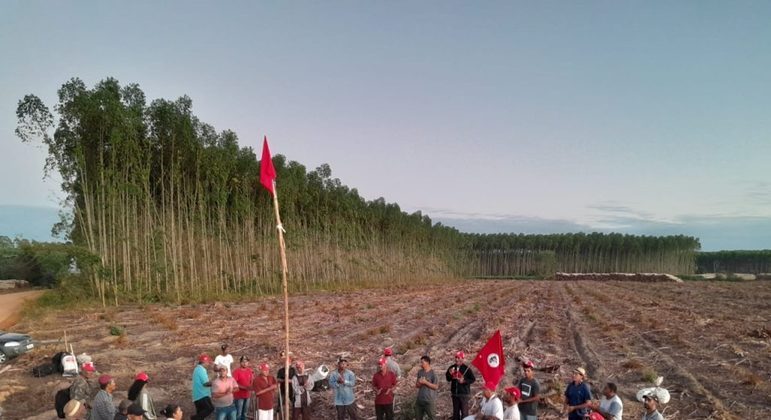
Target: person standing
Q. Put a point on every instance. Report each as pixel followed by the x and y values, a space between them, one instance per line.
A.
pixel 85 387
pixel 651 403
pixel 202 389
pixel 138 393
pixel 427 385
pixel 384 382
pixel 280 378
pixel 491 407
pixel 578 397
pixel 264 390
pixel 103 407
pixel 610 407
pixel 393 366
pixel 342 381
pixel 301 387
pixel 224 359
pixel 460 377
pixel 529 389
pixel 222 389
pixel 511 399
pixel 244 376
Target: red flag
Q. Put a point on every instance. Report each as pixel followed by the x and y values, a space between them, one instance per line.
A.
pixel 490 360
pixel 267 171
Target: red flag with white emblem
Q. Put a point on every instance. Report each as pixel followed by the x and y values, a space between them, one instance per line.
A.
pixel 490 360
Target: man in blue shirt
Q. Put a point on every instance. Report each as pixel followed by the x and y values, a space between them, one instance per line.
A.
pixel 342 382
pixel 577 396
pixel 202 389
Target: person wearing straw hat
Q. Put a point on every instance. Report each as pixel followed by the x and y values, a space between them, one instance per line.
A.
pixel 578 396
pixel 511 397
pixel 75 410
pixel 460 377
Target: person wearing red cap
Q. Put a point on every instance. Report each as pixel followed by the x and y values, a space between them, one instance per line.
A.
pixel 265 390
pixel 384 382
pixel 460 377
pixel 138 393
pixel 511 397
pixel 393 366
pixel 529 389
pixel 492 407
pixel 202 389
pixel 85 387
pixel 244 375
pixel 103 407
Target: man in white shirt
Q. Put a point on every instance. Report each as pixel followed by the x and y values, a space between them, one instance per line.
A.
pixel 610 406
pixel 492 407
pixel 224 359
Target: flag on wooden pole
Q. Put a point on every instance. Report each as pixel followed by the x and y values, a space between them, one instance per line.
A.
pixel 267 171
pixel 268 180
pixel 490 360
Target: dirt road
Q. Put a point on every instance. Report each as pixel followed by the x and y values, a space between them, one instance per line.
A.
pixel 11 304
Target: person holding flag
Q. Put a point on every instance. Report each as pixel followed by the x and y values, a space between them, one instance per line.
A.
pixel 511 397
pixel 460 377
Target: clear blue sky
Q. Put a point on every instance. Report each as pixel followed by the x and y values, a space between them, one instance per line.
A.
pixel 641 117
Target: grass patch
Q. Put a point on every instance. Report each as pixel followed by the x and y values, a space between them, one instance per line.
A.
pixel 649 374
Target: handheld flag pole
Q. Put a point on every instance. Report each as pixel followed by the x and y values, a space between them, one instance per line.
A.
pixel 268 180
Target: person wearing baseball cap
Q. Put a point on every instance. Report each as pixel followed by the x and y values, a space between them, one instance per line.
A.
pixel 492 407
pixel 529 392
pixel 384 382
pixel 393 366
pixel 244 376
pixel 224 359
pixel 460 378
pixel 578 397
pixel 136 412
pixel 103 408
pixel 651 403
pixel 202 389
pixel 85 386
pixel 511 397
pixel 265 390
pixel 139 394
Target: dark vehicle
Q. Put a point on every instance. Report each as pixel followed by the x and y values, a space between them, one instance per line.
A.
pixel 12 345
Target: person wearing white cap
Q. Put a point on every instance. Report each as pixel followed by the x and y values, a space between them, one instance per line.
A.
pixel 460 378
pixel 651 402
pixel 492 407
pixel 578 397
pixel 222 389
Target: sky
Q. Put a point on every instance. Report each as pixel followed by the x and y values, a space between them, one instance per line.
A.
pixel 497 116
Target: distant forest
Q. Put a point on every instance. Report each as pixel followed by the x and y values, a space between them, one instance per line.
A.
pixel 168 208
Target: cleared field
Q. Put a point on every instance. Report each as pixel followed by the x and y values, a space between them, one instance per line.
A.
pixel 709 340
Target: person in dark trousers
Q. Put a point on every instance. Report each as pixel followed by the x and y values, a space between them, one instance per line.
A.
pixel 384 383
pixel 202 389
pixel 427 384
pixel 578 397
pixel 460 377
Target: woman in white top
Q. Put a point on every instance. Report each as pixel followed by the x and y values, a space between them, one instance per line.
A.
pixel 511 397
pixel 492 407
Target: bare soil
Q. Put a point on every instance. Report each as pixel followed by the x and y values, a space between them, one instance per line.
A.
pixel 710 341
pixel 11 303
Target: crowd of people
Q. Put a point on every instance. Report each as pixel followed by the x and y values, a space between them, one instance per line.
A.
pixel 235 394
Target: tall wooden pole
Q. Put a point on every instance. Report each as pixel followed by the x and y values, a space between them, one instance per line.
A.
pixel 282 245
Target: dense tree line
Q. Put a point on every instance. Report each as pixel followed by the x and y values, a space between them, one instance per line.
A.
pixel 500 254
pixel 38 263
pixel 166 207
pixel 754 262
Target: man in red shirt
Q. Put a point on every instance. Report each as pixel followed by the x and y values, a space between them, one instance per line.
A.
pixel 264 389
pixel 384 383
pixel 243 376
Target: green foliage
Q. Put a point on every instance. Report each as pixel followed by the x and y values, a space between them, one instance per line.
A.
pixel 117 330
pixel 739 261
